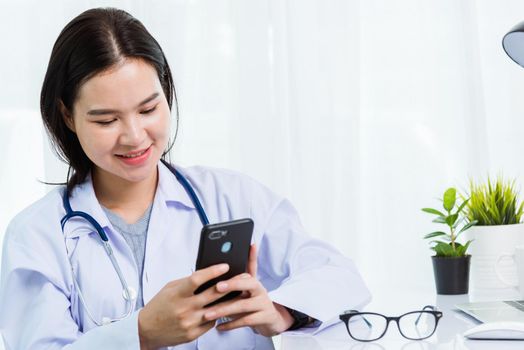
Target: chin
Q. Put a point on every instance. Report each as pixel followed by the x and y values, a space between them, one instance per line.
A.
pixel 138 175
pixel 129 174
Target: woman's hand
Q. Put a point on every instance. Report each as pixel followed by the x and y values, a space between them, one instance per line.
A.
pixel 175 315
pixel 253 308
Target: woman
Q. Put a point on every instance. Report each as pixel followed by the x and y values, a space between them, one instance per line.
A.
pixel 106 102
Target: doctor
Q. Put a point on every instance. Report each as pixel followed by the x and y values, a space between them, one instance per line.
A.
pixel 121 274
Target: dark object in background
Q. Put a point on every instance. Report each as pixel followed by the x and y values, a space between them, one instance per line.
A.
pixel 513 43
pixel 451 274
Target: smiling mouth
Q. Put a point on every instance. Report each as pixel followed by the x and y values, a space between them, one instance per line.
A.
pixel 133 154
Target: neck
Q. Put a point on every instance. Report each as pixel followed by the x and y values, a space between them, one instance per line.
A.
pixel 118 194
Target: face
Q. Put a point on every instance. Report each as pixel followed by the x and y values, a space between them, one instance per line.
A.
pixel 122 119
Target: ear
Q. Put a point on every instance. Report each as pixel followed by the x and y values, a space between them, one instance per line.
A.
pixel 67 116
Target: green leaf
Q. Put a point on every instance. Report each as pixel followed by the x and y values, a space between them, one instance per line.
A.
pixel 467 226
pixel 494 203
pixel 446 238
pixel 450 220
pixel 460 249
pixel 459 210
pixel 443 249
pixel 434 234
pixel 433 211
pixel 466 246
pixel 450 196
pixel 440 220
pixel 458 222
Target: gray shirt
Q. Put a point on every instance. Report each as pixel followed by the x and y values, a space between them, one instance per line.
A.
pixel 135 235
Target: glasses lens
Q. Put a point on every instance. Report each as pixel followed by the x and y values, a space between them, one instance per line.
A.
pixel 367 327
pixel 417 325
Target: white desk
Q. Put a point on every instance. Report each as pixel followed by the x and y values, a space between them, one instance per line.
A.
pixel 447 336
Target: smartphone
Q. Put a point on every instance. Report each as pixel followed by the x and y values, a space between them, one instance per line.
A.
pixel 226 242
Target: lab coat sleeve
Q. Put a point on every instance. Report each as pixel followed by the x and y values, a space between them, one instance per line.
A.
pixel 307 274
pixel 34 303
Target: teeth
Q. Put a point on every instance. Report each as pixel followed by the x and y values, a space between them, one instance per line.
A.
pixel 134 155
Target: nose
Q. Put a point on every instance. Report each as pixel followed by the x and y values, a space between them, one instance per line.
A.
pixel 133 132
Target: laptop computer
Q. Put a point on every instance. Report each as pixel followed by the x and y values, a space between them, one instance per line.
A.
pixel 495 311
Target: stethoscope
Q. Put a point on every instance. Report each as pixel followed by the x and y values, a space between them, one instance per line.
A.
pixel 128 293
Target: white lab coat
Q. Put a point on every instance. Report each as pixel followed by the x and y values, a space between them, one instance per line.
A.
pixel 39 306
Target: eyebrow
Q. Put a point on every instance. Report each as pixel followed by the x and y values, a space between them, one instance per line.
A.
pixel 111 111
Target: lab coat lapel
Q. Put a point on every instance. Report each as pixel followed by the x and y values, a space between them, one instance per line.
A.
pixel 170 252
pixel 163 219
pixel 171 188
pixel 83 198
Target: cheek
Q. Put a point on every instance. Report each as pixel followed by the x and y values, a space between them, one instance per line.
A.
pixel 94 142
pixel 161 126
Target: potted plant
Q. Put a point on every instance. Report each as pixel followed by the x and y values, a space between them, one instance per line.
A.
pixel 496 209
pixel 450 262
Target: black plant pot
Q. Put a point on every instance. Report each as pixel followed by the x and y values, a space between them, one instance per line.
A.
pixel 451 274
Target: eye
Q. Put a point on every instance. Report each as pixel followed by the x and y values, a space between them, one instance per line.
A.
pixel 148 111
pixel 105 122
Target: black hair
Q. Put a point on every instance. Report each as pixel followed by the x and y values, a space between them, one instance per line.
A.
pixel 93 42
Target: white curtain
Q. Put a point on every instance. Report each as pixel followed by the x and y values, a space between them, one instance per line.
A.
pixel 361 112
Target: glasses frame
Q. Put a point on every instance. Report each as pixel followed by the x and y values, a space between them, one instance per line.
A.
pixel 428 309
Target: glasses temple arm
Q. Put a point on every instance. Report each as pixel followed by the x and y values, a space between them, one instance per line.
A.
pixel 367 322
pixel 423 309
pixel 356 312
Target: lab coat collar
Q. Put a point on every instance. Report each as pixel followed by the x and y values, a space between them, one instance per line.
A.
pixel 83 198
pixel 169 189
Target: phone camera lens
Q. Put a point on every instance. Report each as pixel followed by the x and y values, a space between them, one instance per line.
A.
pixel 217 234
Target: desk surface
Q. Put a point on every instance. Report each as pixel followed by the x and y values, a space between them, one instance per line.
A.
pixel 447 336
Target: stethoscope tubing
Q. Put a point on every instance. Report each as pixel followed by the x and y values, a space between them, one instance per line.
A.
pixel 190 191
pixel 130 299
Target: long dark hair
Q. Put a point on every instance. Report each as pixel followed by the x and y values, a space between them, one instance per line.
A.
pixel 92 42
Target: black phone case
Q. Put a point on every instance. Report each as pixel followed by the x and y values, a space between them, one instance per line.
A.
pixel 212 239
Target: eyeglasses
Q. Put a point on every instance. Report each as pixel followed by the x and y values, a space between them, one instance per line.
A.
pixel 370 326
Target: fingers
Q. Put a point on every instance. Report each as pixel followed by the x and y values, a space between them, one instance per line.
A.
pixel 244 282
pixel 252 262
pixel 248 320
pixel 208 296
pixel 235 308
pixel 253 302
pixel 196 332
pixel 213 293
pixel 205 327
pixel 199 277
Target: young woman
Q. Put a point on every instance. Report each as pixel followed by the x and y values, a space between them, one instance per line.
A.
pixel 107 261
